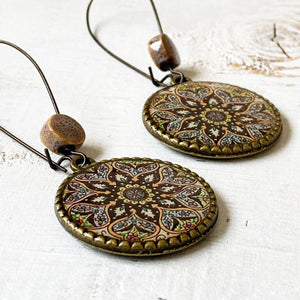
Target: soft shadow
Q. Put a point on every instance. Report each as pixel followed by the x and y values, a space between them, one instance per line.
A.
pixel 91 152
pixel 189 73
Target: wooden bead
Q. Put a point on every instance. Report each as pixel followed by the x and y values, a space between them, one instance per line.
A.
pixel 163 52
pixel 62 130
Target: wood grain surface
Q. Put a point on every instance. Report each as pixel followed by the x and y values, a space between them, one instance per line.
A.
pixel 253 251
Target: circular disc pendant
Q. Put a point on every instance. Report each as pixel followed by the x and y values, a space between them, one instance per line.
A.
pixel 211 119
pixel 136 206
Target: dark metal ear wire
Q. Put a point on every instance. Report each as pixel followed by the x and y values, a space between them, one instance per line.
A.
pixel 54 165
pixel 156 17
pixel 158 82
pixel 83 157
pixel 38 69
pixel 173 74
pixel 154 81
pixel 46 157
pixel 177 74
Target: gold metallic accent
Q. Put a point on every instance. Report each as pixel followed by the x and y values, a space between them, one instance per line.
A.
pixel 174 241
pixel 150 246
pixel 137 248
pixel 237 149
pixel 184 237
pixel 226 150
pixel 112 243
pixel 216 150
pixel 194 233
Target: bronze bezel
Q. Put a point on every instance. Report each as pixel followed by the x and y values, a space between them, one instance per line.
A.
pixel 214 151
pixel 123 247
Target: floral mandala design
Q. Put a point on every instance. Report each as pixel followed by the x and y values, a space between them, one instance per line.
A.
pixel 136 200
pixel 215 116
pixel 135 194
pixel 208 113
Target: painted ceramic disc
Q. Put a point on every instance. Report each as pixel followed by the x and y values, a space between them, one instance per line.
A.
pixel 136 206
pixel 210 119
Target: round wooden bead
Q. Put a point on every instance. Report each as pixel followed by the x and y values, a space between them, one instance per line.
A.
pixel 62 130
pixel 163 52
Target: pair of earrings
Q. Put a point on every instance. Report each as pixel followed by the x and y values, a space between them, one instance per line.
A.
pixel 141 206
pixel 127 206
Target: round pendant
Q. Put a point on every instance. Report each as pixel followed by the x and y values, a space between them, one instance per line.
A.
pixel 136 206
pixel 211 119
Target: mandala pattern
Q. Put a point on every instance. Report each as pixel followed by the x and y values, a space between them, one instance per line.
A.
pixel 213 114
pixel 136 200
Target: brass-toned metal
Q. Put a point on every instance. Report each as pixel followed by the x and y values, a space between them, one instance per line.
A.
pixel 136 206
pixel 212 120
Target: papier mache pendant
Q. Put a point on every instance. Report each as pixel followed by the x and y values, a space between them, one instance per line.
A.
pixel 136 206
pixel 212 120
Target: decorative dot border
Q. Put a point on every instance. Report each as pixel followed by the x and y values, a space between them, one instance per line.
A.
pixel 127 248
pixel 213 151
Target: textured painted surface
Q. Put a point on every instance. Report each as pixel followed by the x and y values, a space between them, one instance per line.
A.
pixel 253 252
pixel 209 114
pixel 136 200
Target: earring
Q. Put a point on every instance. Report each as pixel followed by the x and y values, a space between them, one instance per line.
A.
pixel 206 119
pixel 127 206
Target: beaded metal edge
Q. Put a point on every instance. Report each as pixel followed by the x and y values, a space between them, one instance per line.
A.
pixel 151 248
pixel 214 152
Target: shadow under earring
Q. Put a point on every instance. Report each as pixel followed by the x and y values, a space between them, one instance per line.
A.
pixel 206 119
pixel 127 206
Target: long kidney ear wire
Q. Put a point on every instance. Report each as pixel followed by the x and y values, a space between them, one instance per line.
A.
pixel 53 165
pixel 174 75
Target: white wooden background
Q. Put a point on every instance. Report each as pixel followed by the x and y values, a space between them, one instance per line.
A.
pixel 254 250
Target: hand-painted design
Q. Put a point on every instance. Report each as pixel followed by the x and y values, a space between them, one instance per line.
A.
pixel 171 175
pixel 135 194
pixel 197 135
pixel 133 228
pixel 92 216
pixel 231 138
pixel 215 116
pixel 178 219
pixel 192 197
pixel 193 93
pixel 135 169
pixel 168 101
pixel 77 191
pixel 102 174
pixel 232 94
pixel 146 196
pixel 211 113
